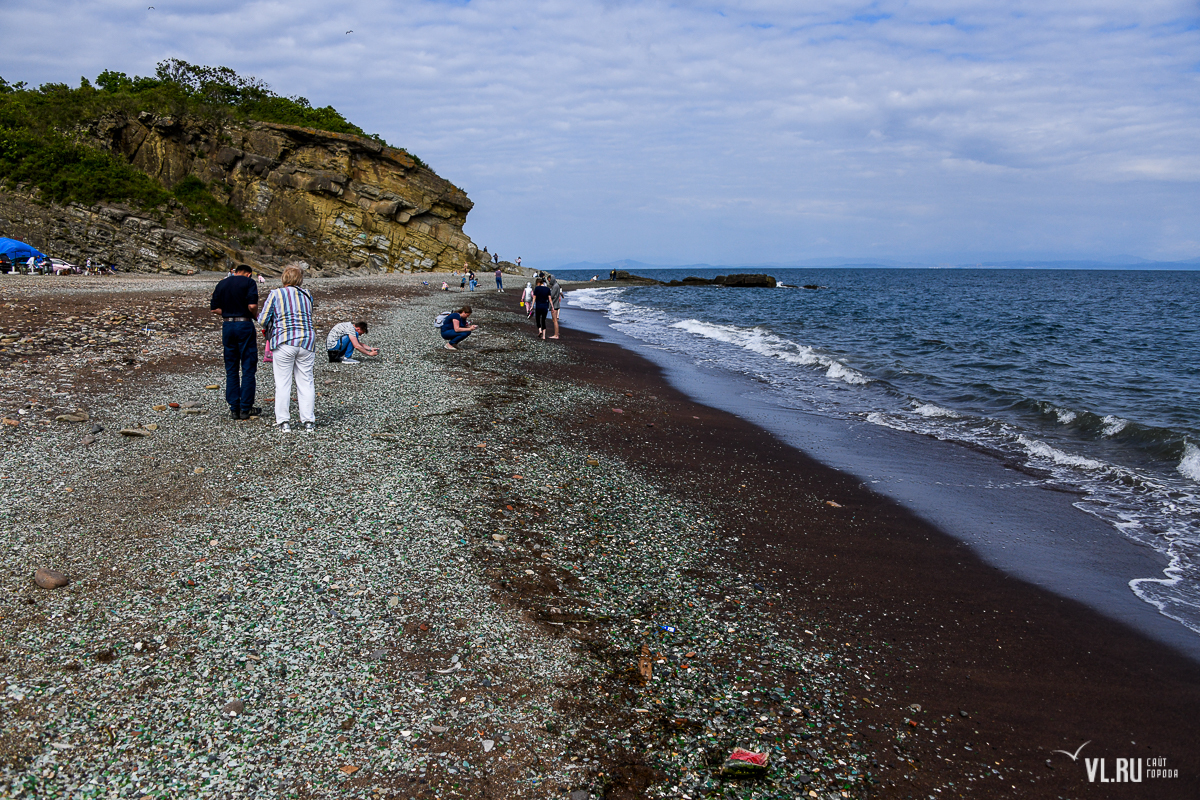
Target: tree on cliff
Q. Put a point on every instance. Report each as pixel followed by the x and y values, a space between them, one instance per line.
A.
pixel 43 141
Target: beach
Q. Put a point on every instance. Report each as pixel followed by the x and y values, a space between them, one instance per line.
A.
pixel 525 569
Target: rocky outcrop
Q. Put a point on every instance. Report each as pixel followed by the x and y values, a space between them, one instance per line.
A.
pixel 340 203
pixel 741 280
pixel 115 235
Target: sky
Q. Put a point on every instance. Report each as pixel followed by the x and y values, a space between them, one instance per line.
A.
pixel 697 131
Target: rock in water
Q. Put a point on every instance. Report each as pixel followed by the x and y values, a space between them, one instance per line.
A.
pixel 50 578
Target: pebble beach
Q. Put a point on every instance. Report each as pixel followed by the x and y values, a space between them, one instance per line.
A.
pixel 435 595
pixel 465 583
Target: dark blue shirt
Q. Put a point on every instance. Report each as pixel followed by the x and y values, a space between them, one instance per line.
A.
pixel 234 296
pixel 448 322
pixel 541 297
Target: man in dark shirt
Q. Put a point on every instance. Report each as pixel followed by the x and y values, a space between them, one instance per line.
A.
pixel 236 300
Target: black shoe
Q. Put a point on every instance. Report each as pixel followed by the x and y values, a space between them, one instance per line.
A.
pixel 254 411
pixel 235 413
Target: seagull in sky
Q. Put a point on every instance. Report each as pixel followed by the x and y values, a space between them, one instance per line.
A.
pixel 1075 755
pixel 349 32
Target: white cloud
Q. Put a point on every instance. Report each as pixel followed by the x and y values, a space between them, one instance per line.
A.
pixel 743 130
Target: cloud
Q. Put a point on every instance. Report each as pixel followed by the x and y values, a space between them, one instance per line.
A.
pixel 705 131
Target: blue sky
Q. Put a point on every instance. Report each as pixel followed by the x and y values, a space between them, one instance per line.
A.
pixel 726 132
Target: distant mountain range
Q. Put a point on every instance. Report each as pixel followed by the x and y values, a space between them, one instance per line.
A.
pixel 1116 262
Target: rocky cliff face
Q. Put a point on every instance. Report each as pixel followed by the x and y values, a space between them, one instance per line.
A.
pixel 338 202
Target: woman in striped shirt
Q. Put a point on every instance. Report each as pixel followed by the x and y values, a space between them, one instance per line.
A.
pixel 286 319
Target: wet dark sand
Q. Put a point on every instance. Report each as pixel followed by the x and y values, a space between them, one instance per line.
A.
pixel 933 624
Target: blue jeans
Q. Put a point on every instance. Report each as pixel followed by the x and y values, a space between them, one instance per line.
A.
pixel 344 348
pixel 500 284
pixel 241 363
pixel 455 338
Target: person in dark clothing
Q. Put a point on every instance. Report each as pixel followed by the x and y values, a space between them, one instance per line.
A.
pixel 455 327
pixel 541 305
pixel 235 300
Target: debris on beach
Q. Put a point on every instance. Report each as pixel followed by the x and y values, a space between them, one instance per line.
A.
pixel 743 763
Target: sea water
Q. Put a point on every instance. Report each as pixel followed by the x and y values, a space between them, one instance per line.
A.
pixel 1088 380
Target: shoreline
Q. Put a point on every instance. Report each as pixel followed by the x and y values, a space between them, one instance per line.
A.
pixel 1030 530
pixel 1061 672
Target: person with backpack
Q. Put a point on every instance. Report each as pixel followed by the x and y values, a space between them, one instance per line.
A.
pixel 455 328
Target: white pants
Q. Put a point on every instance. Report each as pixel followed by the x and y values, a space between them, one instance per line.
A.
pixel 286 359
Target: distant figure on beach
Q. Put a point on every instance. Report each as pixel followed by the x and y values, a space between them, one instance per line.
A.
pixel 462 284
pixel 499 280
pixel 556 293
pixel 541 305
pixel 455 327
pixel 287 317
pixel 445 286
pixel 518 261
pixel 343 340
pixel 495 258
pixel 595 277
pixel 472 280
pixel 612 275
pixel 527 301
pixel 235 300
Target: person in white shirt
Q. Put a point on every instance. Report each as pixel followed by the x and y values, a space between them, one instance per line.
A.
pixel 343 340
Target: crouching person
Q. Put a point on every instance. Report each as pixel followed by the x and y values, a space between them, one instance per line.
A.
pixel 344 339
pixel 455 327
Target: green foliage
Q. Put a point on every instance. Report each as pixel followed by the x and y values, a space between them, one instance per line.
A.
pixel 204 209
pixel 39 132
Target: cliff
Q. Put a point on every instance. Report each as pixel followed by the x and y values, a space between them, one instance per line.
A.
pixel 339 202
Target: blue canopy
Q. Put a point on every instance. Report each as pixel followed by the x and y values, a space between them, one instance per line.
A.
pixel 18 250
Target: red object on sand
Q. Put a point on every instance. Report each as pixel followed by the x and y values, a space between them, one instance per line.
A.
pixel 757 759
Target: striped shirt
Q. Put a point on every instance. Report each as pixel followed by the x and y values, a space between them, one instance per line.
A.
pixel 288 318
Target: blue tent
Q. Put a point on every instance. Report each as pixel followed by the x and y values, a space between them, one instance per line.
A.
pixel 18 250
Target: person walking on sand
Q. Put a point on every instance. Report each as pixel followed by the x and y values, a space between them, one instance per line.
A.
pixel 541 305
pixel 455 327
pixel 235 300
pixel 287 318
pixel 556 294
pixel 499 281
pixel 527 300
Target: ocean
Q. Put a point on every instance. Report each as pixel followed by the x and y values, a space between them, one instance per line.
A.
pixel 1084 382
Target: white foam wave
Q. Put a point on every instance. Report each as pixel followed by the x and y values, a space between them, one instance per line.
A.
pixel 875 418
pixel 840 372
pixel 1113 425
pixel 1065 415
pixel 1042 450
pixel 1189 465
pixel 592 299
pixel 931 410
pixel 769 344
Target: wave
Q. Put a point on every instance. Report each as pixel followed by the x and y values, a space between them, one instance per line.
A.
pixel 1189 465
pixel 931 410
pixel 1065 415
pixel 761 341
pixel 1113 425
pixel 1040 449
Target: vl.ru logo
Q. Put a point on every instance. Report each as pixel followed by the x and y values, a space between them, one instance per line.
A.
pixel 1125 770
